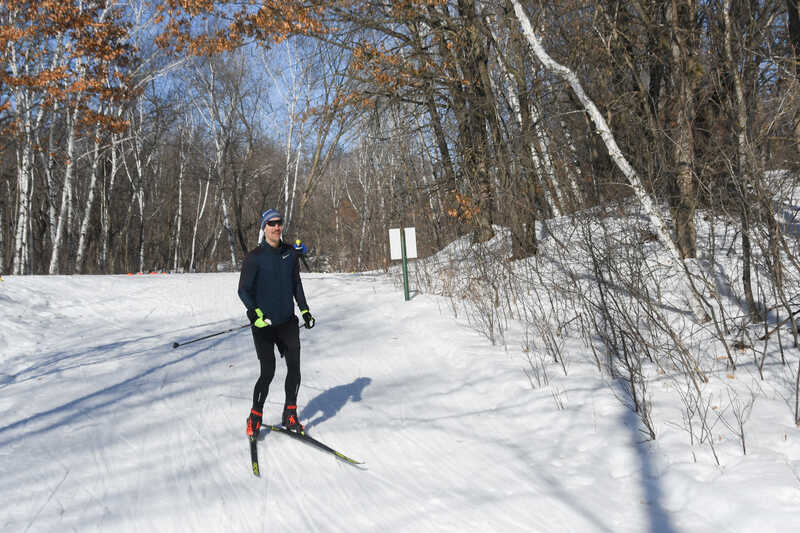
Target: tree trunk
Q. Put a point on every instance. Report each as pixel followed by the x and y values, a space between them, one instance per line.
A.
pixel 363 177
pixel 288 197
pixel 319 162
pixel 227 225
pixel 435 202
pixel 220 165
pixel 140 203
pixel 137 180
pixel 202 198
pixel 79 258
pixel 21 261
pixel 534 203
pixel 293 193
pixel 473 123
pixel 179 214
pixel 445 159
pixel 521 210
pixel 2 237
pixel 683 115
pixel 744 164
pixel 48 163
pixel 108 193
pixel 747 254
pixel 66 193
pixel 793 10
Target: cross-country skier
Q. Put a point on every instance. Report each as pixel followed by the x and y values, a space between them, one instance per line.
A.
pixel 269 285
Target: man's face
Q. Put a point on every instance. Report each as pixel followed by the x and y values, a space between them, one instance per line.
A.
pixel 272 231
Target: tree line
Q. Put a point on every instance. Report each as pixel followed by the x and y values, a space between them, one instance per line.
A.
pixel 138 136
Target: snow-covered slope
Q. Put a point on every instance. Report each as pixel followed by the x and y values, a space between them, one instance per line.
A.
pixel 105 427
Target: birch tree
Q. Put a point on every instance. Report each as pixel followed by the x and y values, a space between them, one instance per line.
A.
pixel 329 121
pixel 744 163
pixel 202 199
pixel 106 200
pixel 291 79
pixel 65 211
pixel 680 264
pixel 186 134
pixel 56 56
pixel 143 152
pixel 83 233
pixel 218 111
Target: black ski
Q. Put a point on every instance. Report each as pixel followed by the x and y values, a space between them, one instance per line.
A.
pixel 254 455
pixel 304 437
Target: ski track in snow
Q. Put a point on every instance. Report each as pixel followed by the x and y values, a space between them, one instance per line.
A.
pixel 105 427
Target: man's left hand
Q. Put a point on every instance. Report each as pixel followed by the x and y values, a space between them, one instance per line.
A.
pixel 308 319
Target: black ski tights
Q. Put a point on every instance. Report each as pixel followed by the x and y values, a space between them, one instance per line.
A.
pixel 287 337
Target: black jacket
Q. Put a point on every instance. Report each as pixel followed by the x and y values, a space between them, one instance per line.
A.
pixel 270 280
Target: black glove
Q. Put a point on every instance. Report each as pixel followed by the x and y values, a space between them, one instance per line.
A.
pixel 251 316
pixel 308 319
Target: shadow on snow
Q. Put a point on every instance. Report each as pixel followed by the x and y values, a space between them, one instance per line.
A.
pixel 327 404
pixel 49 420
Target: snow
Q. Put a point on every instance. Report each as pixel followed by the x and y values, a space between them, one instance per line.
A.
pixel 105 427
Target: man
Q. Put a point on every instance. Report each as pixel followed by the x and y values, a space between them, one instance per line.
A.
pixel 269 285
pixel 301 250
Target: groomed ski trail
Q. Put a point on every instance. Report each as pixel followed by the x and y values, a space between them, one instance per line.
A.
pixel 105 427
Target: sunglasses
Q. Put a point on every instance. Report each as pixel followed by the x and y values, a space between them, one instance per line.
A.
pixel 276 222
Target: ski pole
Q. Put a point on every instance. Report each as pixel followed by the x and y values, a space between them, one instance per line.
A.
pixel 176 344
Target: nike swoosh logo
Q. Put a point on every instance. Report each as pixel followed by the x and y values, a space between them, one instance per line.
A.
pixel 285 256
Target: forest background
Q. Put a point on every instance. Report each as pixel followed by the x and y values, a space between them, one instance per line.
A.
pixel 138 136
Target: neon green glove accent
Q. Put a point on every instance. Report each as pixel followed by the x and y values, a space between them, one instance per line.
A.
pixel 307 318
pixel 261 322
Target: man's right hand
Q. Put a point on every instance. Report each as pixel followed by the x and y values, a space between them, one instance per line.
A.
pixel 256 317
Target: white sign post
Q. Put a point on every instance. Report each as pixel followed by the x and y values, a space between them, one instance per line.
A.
pixel 403 245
